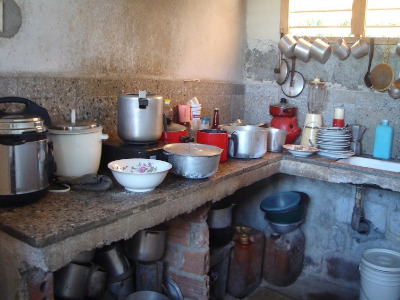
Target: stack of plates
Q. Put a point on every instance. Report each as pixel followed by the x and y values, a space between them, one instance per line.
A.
pixel 334 142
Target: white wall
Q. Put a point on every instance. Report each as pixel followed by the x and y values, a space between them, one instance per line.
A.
pixel 174 39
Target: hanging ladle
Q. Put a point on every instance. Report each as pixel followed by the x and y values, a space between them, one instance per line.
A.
pixel 367 77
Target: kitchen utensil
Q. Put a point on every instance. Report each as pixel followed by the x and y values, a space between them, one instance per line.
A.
pixel 147 245
pixel 282 109
pixel 283 228
pixel 112 259
pixel 317 94
pixel 172 289
pixel 382 75
pixel 219 222
pixel 76 147
pixel 70 282
pixel 139 174
pixel 246 141
pixel 147 295
pixel 302 49
pixel 121 288
pixel 140 117
pixel 282 72
pixel 215 137
pixel 359 48
pixel 320 50
pixel 300 150
pixel 394 90
pixel 173 133
pixel 192 160
pixel 280 201
pixel 97 283
pixel 341 49
pixel 367 77
pixel 25 161
pixel 287 44
pixel 276 139
pixel 295 83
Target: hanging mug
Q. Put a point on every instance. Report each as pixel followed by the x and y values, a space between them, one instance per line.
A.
pixel 320 50
pixel 302 49
pixel 287 44
pixel 341 49
pixel 359 49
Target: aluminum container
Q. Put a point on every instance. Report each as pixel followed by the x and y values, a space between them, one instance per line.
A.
pixel 140 117
pixel 193 160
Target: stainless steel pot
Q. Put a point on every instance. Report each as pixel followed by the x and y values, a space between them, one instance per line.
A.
pixel 25 161
pixel 247 141
pixel 140 117
pixel 112 259
pixel 147 245
pixel 193 160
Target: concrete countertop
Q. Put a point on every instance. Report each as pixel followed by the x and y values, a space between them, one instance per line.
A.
pixel 71 222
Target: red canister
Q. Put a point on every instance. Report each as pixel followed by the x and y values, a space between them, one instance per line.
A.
pixel 214 137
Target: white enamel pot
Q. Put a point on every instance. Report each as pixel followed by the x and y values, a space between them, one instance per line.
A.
pixel 76 148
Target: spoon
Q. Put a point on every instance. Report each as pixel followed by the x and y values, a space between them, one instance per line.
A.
pixel 367 77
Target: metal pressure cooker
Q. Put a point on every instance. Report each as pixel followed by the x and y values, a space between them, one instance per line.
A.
pixel 24 156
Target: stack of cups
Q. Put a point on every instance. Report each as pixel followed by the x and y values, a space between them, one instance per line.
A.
pixel 338 119
pixel 195 114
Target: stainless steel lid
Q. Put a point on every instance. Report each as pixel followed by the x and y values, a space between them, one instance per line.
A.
pixel 192 149
pixel 19 124
pixel 78 125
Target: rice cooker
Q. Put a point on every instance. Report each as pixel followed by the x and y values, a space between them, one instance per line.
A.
pixel 23 159
pixel 140 117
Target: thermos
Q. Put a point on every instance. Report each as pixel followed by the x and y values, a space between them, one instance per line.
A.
pixel 383 140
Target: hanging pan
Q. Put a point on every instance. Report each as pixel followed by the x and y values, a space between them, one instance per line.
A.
pixel 295 85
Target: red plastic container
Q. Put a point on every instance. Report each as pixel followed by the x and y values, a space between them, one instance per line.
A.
pixel 214 137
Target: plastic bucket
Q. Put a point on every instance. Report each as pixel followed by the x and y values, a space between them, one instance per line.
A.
pixel 380 275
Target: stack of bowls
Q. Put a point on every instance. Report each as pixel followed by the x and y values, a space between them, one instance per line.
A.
pixel 285 211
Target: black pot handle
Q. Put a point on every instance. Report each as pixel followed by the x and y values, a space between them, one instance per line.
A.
pixel 234 139
pixel 31 108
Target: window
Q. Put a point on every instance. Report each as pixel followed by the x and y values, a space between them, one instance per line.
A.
pixel 342 18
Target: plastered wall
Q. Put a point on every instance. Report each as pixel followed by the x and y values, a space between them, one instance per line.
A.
pixel 175 39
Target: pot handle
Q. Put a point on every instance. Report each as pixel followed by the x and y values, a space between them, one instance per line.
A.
pixel 233 136
pixel 103 137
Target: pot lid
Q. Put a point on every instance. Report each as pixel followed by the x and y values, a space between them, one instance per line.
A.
pixel 19 124
pixel 282 104
pixel 79 125
pixel 192 149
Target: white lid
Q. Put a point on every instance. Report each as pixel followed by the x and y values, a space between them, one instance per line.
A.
pixel 382 259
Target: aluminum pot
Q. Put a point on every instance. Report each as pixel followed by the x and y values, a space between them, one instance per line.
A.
pixel 77 147
pixel 140 117
pixel 219 221
pixel 192 160
pixel 147 244
pixel 247 141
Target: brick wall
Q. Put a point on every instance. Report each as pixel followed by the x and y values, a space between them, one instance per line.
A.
pixel 187 255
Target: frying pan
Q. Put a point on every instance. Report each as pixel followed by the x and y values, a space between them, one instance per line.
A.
pixel 282 72
pixel 382 75
pixel 293 87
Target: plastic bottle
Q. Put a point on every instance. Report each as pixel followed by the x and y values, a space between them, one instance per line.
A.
pixel 169 114
pixel 215 124
pixel 383 140
pixel 245 265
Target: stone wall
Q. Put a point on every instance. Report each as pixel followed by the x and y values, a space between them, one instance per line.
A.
pixel 96 99
pixel 333 249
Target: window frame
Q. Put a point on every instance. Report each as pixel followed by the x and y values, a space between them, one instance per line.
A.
pixel 357 24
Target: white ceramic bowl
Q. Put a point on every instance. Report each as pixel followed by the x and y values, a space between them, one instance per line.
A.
pixel 139 174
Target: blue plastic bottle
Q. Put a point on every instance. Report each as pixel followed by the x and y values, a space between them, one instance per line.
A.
pixel 383 140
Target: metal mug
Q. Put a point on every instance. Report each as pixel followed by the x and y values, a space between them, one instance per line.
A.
pixel 359 49
pixel 341 49
pixel 302 49
pixel 320 50
pixel 287 44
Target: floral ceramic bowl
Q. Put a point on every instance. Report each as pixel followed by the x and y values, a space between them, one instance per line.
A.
pixel 139 174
